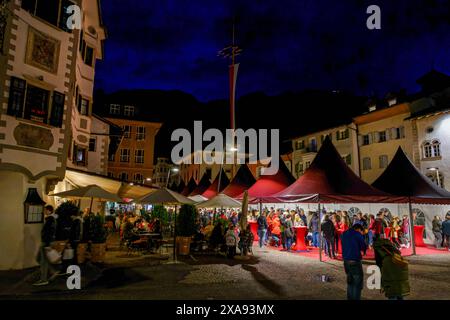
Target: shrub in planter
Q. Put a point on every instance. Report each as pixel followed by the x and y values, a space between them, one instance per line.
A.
pixel 98 232
pixel 160 212
pixel 185 227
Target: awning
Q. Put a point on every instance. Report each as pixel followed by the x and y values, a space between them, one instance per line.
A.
pixel 124 190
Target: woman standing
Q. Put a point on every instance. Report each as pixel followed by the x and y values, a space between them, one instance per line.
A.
pixel 437 231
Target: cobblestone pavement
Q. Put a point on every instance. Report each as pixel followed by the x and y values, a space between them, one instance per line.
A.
pixel 270 274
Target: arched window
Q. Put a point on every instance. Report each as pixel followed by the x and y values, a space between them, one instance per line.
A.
pixel 353 211
pixel 436 148
pixel 433 176
pixel 427 150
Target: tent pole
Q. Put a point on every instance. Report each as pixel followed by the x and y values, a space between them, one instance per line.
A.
pixel 260 206
pixel 320 233
pixel 411 228
pixel 175 234
pixel 90 207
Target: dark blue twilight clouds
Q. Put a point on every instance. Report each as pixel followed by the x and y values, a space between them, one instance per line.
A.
pixel 288 45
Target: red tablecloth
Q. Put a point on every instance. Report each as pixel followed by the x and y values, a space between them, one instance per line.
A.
pixel 418 236
pixel 300 234
pixel 254 229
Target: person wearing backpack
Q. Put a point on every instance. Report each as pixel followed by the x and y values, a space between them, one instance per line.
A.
pixel 394 269
pixel 48 235
pixel 231 241
pixel 289 232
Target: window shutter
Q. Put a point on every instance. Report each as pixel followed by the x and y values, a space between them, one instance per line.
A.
pixel 16 97
pixel 57 113
pixel 370 135
pixel 360 140
pixel 388 134
pixel 376 137
pixel 402 132
pixel 337 135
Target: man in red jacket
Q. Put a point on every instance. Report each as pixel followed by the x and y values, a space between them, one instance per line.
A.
pixel 378 227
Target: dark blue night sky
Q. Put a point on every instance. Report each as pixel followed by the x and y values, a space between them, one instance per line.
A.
pixel 288 45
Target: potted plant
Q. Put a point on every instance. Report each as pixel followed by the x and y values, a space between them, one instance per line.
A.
pixel 160 212
pixel 98 238
pixel 185 228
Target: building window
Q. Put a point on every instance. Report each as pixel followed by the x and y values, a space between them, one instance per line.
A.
pixel 124 155
pixel 313 145
pixel 366 140
pixel 383 161
pixel 138 178
pixel 123 176
pixel 110 175
pixel 342 134
pixel 114 108
pixel 348 159
pixel 112 157
pixel 300 144
pixel 427 150
pixel 438 180
pixel 92 144
pixel 126 132
pixel 367 164
pixel 139 156
pixel 32 103
pixel 140 133
pixel 436 148
pixel 79 155
pixel 52 11
pixel 382 136
pixel 83 106
pixel 128 111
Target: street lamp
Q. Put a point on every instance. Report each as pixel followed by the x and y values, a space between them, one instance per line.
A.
pixel 438 178
pixel 173 169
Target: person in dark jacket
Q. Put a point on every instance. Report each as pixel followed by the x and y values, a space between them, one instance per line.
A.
pixel 289 232
pixel 437 231
pixel 48 235
pixel 353 245
pixel 329 231
pixel 446 230
pixel 394 269
pixel 76 233
pixel 314 229
pixel 262 229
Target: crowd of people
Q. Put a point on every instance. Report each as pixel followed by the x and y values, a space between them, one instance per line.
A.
pixel 221 232
pixel 276 228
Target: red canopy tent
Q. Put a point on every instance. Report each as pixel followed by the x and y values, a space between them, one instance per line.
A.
pixel 212 190
pixel 267 185
pixel 189 188
pixel 402 178
pixel 330 180
pixel 202 186
pixel 242 181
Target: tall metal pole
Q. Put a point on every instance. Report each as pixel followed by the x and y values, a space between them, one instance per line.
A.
pixel 175 235
pixel 411 228
pixel 320 233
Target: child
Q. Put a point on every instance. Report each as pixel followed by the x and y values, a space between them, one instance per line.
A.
pixel 231 242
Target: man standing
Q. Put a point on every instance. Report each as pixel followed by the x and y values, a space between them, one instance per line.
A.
pixel 446 230
pixel 48 235
pixel 314 229
pixel 262 228
pixel 378 227
pixel 328 234
pixel 352 245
